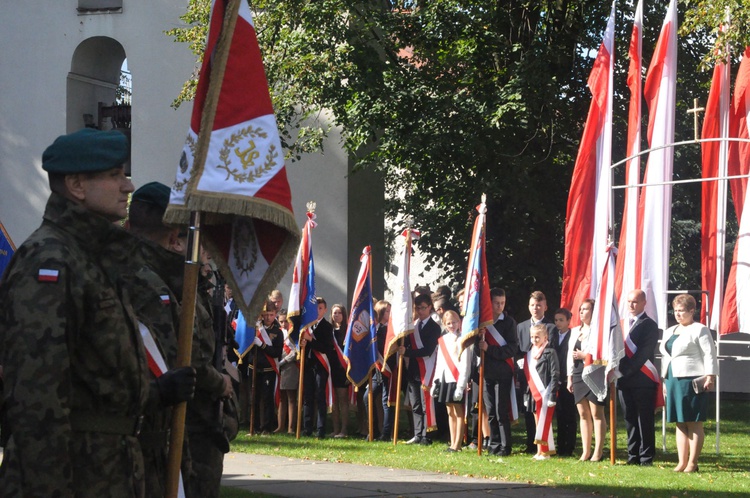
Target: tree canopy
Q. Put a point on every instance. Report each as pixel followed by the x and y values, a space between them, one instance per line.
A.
pixel 450 99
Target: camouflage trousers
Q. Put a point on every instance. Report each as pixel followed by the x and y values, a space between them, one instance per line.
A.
pixel 207 462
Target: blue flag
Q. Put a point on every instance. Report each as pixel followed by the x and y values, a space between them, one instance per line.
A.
pixel 244 335
pixel 303 305
pixel 7 249
pixel 360 345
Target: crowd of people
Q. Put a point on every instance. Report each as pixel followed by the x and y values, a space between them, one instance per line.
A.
pixel 532 371
pixel 89 323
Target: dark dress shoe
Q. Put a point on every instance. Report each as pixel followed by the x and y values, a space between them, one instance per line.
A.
pixel 425 441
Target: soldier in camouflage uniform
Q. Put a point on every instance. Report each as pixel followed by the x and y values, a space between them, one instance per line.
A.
pixel 152 271
pixel 76 378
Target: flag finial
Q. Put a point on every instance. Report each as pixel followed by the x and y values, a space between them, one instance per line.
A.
pixel 311 206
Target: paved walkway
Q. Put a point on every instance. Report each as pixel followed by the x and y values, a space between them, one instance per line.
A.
pixel 291 478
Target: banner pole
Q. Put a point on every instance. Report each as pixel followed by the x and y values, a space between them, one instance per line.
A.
pixel 184 349
pixel 612 424
pixel 480 404
pixel 370 417
pixel 398 395
pixel 301 388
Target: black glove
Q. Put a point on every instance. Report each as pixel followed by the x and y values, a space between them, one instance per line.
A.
pixel 176 386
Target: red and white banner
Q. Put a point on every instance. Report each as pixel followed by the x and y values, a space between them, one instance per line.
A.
pixel 426 366
pixel 627 273
pixel 737 295
pixel 232 165
pixel 587 221
pixel 655 204
pixel 714 193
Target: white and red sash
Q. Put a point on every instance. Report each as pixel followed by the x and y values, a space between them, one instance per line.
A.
pixel 157 366
pixel 426 365
pixel 541 394
pixel 448 359
pixel 323 359
pixel 262 334
pixel 494 338
pixel 648 369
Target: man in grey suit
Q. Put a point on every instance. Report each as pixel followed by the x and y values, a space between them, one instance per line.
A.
pixel 639 382
pixel 537 308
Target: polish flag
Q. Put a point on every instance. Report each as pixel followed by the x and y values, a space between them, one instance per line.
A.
pixel 586 229
pixel 737 295
pixel 655 203
pixel 714 193
pixel 627 278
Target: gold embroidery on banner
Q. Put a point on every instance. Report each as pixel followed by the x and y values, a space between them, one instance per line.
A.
pixel 245 245
pixel 249 172
pixel 191 143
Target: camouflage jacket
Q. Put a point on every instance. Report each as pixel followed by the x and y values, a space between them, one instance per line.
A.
pixel 75 372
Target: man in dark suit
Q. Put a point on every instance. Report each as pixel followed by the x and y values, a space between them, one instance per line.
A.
pixel 537 308
pixel 566 412
pixel 420 346
pixel 640 380
pixel 500 346
pixel 319 343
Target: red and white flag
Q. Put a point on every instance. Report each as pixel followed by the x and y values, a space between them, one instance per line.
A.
pixel 714 193
pixel 234 174
pixel 627 274
pixel 606 346
pixel 587 222
pixel 737 293
pixel 655 203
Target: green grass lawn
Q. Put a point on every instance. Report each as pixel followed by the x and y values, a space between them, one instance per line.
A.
pixel 726 474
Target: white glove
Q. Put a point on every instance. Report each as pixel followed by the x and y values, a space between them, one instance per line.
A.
pixel 257 342
pixel 458 395
pixel 521 363
pixel 551 403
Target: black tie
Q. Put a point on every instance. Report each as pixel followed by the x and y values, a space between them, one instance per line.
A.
pixel 421 324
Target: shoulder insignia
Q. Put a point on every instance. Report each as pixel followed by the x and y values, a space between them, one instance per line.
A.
pixel 47 275
pixel 165 299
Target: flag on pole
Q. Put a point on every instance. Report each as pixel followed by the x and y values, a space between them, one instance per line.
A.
pixel 587 222
pixel 606 346
pixel 400 323
pixel 627 275
pixel 477 309
pixel 739 164
pixel 655 203
pixel 232 166
pixel 361 343
pixel 7 249
pixel 714 193
pixel 244 335
pixel 303 305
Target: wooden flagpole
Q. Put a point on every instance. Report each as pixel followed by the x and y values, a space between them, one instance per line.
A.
pixel 184 348
pixel 192 260
pixel 398 394
pixel 370 417
pixel 301 386
pixel 480 403
pixel 254 393
pixel 612 424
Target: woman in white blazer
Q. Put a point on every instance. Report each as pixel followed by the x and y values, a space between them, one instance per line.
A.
pixel 688 352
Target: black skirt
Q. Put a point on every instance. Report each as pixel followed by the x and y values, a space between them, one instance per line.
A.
pixel 446 391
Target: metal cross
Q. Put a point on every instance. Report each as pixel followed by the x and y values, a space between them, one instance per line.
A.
pixel 694 111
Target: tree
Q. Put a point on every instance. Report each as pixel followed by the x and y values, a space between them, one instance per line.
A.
pixel 450 99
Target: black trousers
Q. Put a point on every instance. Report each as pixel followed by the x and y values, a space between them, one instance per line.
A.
pixel 264 401
pixel 314 400
pixel 416 400
pixel 567 422
pixel 638 412
pixel 497 401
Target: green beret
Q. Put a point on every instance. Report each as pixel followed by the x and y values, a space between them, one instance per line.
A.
pixel 153 193
pixel 86 151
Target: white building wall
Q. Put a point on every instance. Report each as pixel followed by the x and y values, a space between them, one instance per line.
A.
pixel 38 40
